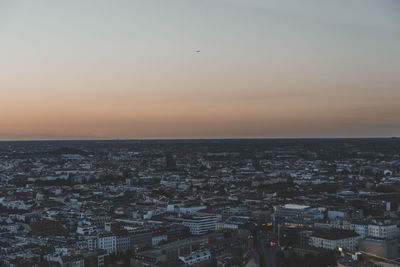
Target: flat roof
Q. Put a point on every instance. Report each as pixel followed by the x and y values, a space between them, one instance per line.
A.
pixel 295 206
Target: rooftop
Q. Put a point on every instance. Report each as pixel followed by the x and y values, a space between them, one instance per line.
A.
pixel 295 206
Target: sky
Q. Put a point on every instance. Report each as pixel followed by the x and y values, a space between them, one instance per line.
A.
pixel 101 69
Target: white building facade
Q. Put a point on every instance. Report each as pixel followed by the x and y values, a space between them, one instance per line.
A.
pixel 201 224
pixel 348 243
pixel 108 243
pixel 383 231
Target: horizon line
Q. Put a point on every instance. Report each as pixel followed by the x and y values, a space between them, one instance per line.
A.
pixel 193 139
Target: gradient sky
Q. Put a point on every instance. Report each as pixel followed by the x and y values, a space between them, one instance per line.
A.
pixel 81 69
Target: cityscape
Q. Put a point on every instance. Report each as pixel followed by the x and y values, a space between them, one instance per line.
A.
pixel 238 202
pixel 202 133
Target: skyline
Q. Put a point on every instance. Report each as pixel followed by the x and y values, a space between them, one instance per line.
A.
pixel 131 70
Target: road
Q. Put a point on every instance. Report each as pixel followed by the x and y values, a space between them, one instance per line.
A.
pixel 266 252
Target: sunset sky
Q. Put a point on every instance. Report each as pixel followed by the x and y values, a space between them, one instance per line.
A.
pixel 82 69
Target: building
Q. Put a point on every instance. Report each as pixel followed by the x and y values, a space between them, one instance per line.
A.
pixel 139 181
pixel 175 231
pixel 168 254
pixel 123 242
pixel 141 239
pixel 157 239
pixel 107 242
pixel 201 223
pixel 334 239
pixel 379 247
pixel 289 235
pixel 224 226
pixel 383 231
pixel 195 257
pixel 335 214
pixel 86 230
pixel 70 261
pixel 360 229
pixel 296 214
pixel 91 242
pixel 95 258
